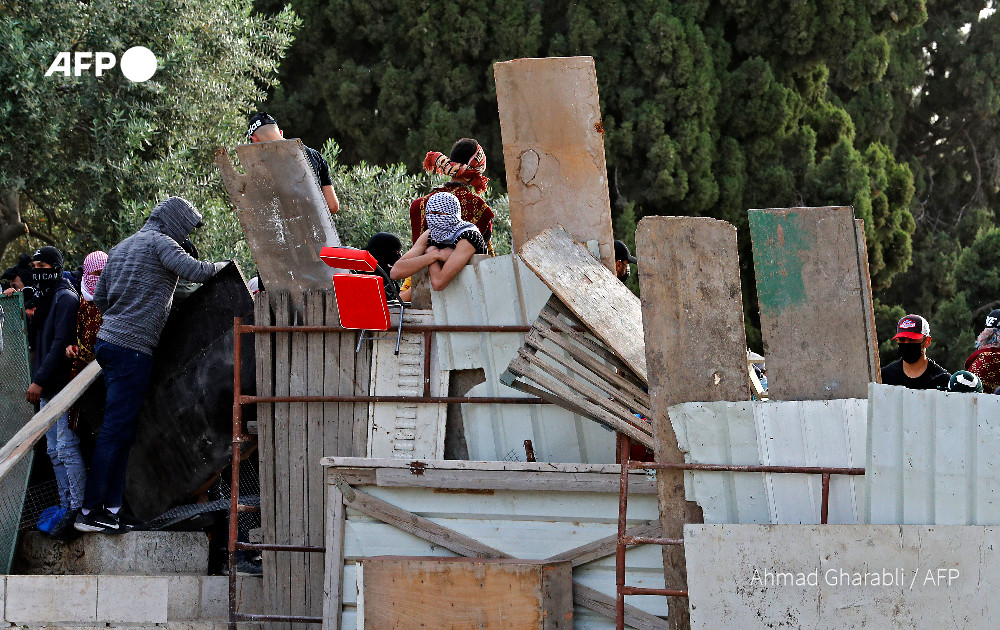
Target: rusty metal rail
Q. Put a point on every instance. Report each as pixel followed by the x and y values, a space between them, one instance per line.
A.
pixel 624 450
pixel 239 438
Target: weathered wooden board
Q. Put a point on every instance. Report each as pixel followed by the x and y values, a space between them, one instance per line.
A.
pixel 185 429
pixel 293 437
pixel 283 213
pixel 399 592
pixel 406 430
pixel 812 280
pixel 592 292
pixel 488 512
pixel 553 148
pixel 692 314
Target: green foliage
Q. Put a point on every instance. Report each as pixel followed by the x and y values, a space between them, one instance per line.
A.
pixel 85 158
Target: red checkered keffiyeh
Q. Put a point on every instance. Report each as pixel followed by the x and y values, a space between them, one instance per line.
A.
pixel 437 162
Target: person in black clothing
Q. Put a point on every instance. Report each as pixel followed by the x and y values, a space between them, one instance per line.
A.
pixel 386 249
pixel 54 328
pixel 264 128
pixel 913 369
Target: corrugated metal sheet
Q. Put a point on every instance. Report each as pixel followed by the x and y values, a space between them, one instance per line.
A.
pixel 527 524
pixel 503 291
pixel 932 457
pixel 780 433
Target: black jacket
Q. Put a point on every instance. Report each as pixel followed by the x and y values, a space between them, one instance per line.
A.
pixel 55 331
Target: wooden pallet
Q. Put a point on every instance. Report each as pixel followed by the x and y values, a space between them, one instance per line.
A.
pixel 562 362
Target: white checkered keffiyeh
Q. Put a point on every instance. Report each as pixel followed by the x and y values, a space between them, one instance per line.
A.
pixel 444 218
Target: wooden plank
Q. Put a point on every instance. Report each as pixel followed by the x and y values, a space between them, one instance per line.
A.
pixel 560 317
pixel 362 384
pixel 283 213
pixel 809 282
pixel 334 559
pixel 282 473
pixel 348 385
pixel 24 440
pixel 403 592
pixel 695 346
pixel 315 481
pixel 487 481
pixel 874 363
pixel 603 547
pixel 593 293
pixel 553 146
pixel 298 445
pixel 605 605
pixel 264 348
pixel 331 382
pixel 363 463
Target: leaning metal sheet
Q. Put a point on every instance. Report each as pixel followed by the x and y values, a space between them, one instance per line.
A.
pixel 283 213
pixel 15 376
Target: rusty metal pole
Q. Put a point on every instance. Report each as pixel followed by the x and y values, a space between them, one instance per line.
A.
pixel 234 495
pixel 624 451
pixel 824 510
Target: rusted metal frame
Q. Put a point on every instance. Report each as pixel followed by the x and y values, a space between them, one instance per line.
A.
pixel 242 546
pixel 254 328
pixel 498 400
pixel 427 363
pixel 624 452
pixel 806 470
pixel 825 504
pixel 256 618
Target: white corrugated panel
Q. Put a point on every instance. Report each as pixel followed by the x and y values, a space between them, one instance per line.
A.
pixel 502 291
pixel 779 433
pixel 527 524
pixel 932 457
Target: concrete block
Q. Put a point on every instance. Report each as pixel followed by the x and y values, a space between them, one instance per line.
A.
pixel 51 599
pixel 134 553
pixel 842 576
pixel 131 599
pixel 214 597
pixel 183 597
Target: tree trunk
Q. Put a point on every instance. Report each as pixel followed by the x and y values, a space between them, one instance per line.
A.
pixel 11 225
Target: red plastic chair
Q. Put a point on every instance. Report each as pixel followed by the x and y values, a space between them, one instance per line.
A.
pixel 361 297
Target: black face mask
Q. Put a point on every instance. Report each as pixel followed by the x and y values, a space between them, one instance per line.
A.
pixel 45 279
pixel 910 352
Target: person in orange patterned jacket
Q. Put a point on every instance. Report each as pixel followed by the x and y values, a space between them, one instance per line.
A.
pixel 466 164
pixel 88 318
pixel 985 361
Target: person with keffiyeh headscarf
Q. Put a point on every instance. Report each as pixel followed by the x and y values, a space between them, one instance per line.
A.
pixel 466 164
pixel 445 247
pixel 88 318
pixel 985 361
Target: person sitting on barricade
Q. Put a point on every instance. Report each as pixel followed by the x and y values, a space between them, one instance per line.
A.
pixel 445 247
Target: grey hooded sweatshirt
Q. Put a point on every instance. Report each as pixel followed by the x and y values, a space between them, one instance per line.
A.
pixel 136 288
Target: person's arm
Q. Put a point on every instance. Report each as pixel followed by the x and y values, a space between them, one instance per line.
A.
pixel 180 262
pixel 331 199
pixel 442 275
pixel 418 257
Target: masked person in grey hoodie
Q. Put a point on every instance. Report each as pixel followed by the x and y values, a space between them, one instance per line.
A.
pixel 134 294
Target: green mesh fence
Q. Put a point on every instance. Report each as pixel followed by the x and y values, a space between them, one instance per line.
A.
pixel 15 377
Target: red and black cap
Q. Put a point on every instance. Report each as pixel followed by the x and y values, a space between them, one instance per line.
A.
pixel 913 327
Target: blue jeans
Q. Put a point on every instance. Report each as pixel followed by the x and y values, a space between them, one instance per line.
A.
pixel 63 448
pixel 126 377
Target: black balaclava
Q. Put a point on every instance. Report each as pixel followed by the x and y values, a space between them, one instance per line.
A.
pixel 910 352
pixel 386 248
pixel 45 280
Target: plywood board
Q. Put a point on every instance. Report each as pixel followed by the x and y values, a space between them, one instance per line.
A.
pixel 692 314
pixel 813 287
pixel 553 148
pixel 593 293
pixel 463 593
pixel 408 430
pixel 283 212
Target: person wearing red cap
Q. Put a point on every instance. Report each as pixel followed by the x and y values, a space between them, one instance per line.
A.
pixel 913 369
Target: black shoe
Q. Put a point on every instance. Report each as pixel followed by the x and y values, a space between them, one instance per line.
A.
pixel 99 521
pixel 65 529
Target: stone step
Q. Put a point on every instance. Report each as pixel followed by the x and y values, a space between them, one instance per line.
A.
pixel 134 553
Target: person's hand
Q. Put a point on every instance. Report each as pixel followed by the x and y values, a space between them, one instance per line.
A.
pixel 34 393
pixel 9 292
pixel 72 351
pixel 444 254
pixel 30 312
